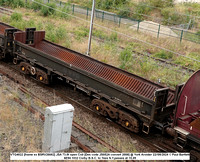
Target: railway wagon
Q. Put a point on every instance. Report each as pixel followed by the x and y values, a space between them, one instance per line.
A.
pixel 187 114
pixel 6 46
pixel 132 101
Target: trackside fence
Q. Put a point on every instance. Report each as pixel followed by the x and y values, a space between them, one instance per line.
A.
pixel 156 29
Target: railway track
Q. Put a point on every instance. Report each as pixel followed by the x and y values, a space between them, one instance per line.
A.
pixel 6 11
pixel 154 147
pixel 162 61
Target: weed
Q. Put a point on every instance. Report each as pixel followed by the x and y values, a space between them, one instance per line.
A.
pixel 67 43
pixel 188 62
pixel 16 16
pixel 36 6
pixel 64 12
pixel 60 33
pixel 139 9
pixel 81 32
pixel 161 4
pixel 13 4
pixel 163 54
pixel 19 24
pixel 169 13
pixel 40 26
pixel 31 23
pixel 99 33
pixel 4 18
pixel 49 9
pixel 113 37
pixel 126 57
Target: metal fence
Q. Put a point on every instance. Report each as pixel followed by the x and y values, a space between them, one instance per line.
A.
pixel 155 29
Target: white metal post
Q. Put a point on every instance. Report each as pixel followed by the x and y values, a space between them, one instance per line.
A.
pixel 91 27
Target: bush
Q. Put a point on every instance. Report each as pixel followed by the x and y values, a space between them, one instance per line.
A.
pixel 193 8
pixel 169 14
pixel 163 54
pixel 109 4
pixel 12 3
pixel 66 10
pixel 36 6
pixel 17 3
pixel 2 2
pixel 16 16
pixel 124 11
pixel 49 9
pixel 161 3
pixel 139 9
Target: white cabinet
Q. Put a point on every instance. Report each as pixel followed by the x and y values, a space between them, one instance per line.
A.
pixel 57 128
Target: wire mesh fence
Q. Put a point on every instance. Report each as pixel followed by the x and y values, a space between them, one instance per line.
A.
pixel 156 29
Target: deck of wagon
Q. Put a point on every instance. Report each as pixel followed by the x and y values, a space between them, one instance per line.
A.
pixel 119 77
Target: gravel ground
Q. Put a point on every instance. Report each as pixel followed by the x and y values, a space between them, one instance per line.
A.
pixel 20 131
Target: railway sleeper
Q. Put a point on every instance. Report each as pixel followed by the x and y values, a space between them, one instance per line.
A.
pixel 124 119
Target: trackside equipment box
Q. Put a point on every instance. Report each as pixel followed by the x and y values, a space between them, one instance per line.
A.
pixel 57 128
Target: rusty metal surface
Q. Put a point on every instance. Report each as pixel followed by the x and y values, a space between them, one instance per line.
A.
pixel 2 28
pixel 38 36
pixel 20 36
pixel 127 81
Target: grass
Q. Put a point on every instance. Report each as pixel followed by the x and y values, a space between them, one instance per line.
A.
pixel 19 132
pixel 73 34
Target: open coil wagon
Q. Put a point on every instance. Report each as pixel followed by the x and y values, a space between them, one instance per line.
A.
pixel 132 101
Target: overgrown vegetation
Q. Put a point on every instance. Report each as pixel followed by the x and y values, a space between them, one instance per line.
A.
pixel 49 9
pixel 16 17
pixel 126 58
pixel 12 3
pixel 144 10
pixel 163 55
pixel 170 15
